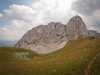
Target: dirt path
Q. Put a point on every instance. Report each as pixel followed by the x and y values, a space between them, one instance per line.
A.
pixel 87 70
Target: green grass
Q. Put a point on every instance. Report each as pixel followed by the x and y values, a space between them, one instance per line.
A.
pixel 10 54
pixel 95 70
pixel 73 59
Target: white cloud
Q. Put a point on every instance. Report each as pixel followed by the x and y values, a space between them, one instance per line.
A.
pixel 20 12
pixel 1 15
pixel 15 31
pixel 6 34
pixel 42 11
pixel 24 13
pixel 52 9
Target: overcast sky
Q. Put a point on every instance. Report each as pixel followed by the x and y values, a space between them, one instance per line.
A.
pixel 19 16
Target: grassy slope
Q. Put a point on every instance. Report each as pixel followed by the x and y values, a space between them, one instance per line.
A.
pixel 95 70
pixel 70 60
pixel 8 54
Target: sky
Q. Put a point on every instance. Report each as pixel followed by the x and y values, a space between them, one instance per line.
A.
pixel 19 16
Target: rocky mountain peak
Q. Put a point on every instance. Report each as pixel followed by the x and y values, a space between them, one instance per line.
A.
pixel 77 17
pixel 53 36
pixel 76 21
pixel 76 27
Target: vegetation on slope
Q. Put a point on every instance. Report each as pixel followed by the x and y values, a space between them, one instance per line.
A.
pixel 73 59
pixel 15 54
pixel 95 70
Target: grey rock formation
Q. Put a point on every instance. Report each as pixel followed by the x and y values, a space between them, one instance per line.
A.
pixel 48 38
pixel 45 39
pixel 94 33
pixel 76 27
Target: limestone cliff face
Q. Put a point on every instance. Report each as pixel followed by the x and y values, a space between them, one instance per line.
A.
pixel 48 38
pixel 45 38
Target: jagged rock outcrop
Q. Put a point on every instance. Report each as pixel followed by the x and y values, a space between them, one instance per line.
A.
pixel 48 38
pixel 76 27
pixel 45 38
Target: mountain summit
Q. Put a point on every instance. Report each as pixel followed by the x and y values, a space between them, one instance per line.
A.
pixel 48 38
pixel 76 27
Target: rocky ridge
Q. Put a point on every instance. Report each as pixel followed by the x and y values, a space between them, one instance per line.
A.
pixel 48 38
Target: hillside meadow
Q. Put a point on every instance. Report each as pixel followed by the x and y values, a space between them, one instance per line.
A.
pixel 73 59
